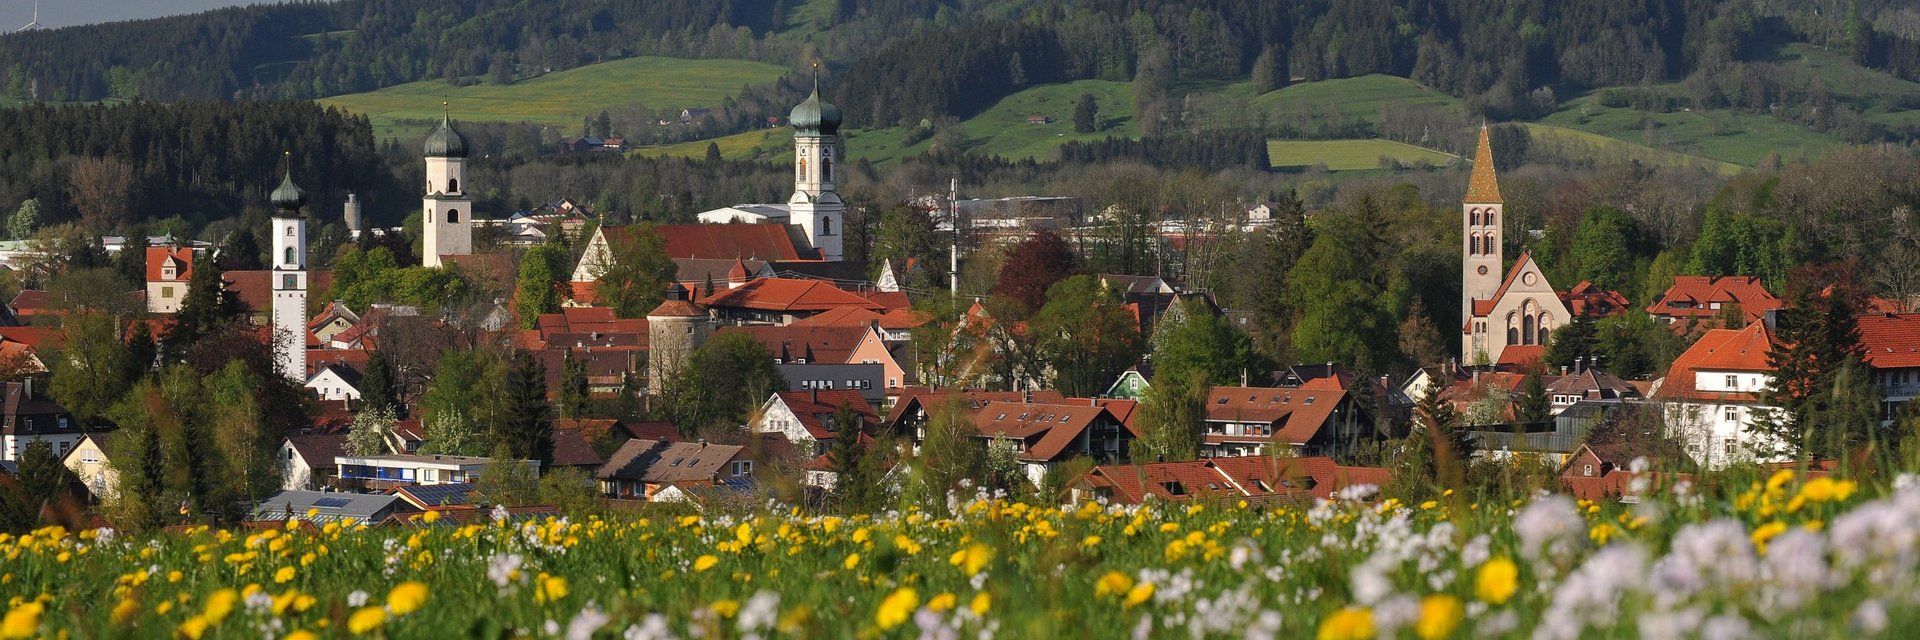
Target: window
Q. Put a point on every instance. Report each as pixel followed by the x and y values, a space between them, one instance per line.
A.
pixel 1730 447
pixel 92 456
pixel 1473 244
pixel 1733 382
pixel 64 446
pixel 166 292
pixel 742 468
pixel 289 231
pixel 826 225
pixel 289 261
pixel 1526 329
pixel 453 216
pixel 63 422
pixel 453 186
pixel 1586 470
pixel 1733 414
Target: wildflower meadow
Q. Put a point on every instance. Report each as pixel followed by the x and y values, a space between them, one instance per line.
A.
pixel 1785 555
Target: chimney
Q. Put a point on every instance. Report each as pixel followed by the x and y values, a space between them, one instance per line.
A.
pixel 1243 376
pixel 1027 396
pixel 813 394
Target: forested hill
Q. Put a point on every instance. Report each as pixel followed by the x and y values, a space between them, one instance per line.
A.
pixel 910 59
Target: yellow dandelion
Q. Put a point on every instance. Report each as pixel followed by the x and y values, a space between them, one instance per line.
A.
pixel 193 628
pixel 853 560
pixel 22 621
pixel 220 605
pixel 1113 583
pixel 1138 594
pixel 551 588
pixel 1497 581
pixel 366 619
pixel 1439 616
pixel 943 603
pixel 125 611
pixel 407 598
pixel 301 634
pixel 1090 542
pixel 283 576
pixel 896 608
pixel 1347 624
pixel 982 603
pixel 1766 532
pixel 705 562
pixel 725 608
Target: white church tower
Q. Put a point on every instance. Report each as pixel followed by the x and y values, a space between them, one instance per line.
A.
pixel 446 213
pixel 815 206
pixel 290 278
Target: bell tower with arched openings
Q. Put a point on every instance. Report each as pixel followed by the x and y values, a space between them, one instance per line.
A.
pixel 1481 217
pixel 446 214
pixel 815 205
pixel 289 277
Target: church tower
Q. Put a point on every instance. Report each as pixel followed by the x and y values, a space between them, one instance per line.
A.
pixel 1481 217
pixel 815 206
pixel 446 213
pixel 290 278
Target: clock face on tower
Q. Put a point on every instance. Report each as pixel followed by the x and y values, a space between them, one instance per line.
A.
pixel 1483 269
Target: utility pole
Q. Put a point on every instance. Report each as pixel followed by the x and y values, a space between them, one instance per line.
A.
pixel 953 253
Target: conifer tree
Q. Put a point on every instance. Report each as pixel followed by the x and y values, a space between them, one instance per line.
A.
pixel 1533 405
pixel 376 385
pixel 574 390
pixel 1818 338
pixel 853 485
pixel 526 428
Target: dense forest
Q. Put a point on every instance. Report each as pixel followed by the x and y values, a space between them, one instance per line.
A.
pixel 909 59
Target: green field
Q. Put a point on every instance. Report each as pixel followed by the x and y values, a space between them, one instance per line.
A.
pixel 1347 155
pixel 1574 143
pixel 1360 96
pixel 739 146
pixel 1002 129
pixel 561 99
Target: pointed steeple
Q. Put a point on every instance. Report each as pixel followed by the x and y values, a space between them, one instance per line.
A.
pixel 1484 186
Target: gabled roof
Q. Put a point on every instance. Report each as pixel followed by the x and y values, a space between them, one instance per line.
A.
pixel 762 241
pixel 719 271
pixel 1485 306
pixel 1048 428
pixel 1889 340
pixel 1297 413
pixel 319 450
pixel 1587 300
pixel 1719 350
pixel 1694 296
pixel 182 259
pixel 831 345
pixel 1592 380
pixel 920 397
pixel 667 462
pixel 570 449
pixel 815 409
pixel 1522 355
pixel 787 294
pixel 1256 479
pixel 898 319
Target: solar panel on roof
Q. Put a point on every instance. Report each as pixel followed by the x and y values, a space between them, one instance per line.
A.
pixel 331 503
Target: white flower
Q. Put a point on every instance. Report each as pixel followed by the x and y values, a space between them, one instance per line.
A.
pixel 1870 617
pixel 500 513
pixel 1357 492
pixel 551 627
pixel 357 599
pixel 1639 464
pixel 502 568
pixel 1670 625
pixel 1726 627
pixel 762 611
pixel 583 624
pixel 1547 525
pixel 653 627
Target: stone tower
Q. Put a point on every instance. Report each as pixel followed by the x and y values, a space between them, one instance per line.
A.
pixel 446 213
pixel 1480 258
pixel 290 279
pixel 815 205
pixel 674 330
pixel 350 212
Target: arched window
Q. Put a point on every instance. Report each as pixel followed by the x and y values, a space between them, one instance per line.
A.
pixel 1486 244
pixel 1545 320
pixel 826 167
pixel 453 185
pixel 1475 216
pixel 1526 329
pixel 453 215
pixel 826 225
pixel 289 261
pixel 1487 219
pixel 1513 329
pixel 1473 245
pixel 429 216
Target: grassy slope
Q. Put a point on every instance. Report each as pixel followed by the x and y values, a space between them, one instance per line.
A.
pixel 562 99
pixel 1574 143
pixel 1360 96
pixel 1347 155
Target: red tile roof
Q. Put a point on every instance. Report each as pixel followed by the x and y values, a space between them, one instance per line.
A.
pixel 1483 307
pixel 860 316
pixel 1297 414
pixel 1049 428
pixel 157 258
pixel 762 241
pixel 827 345
pixel 1695 296
pixel 815 408
pixel 1256 479
pixel 788 294
pixel 1890 341
pixel 1718 350
pixel 1586 300
pixel 253 288
pixel 922 397
pixel 1522 355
